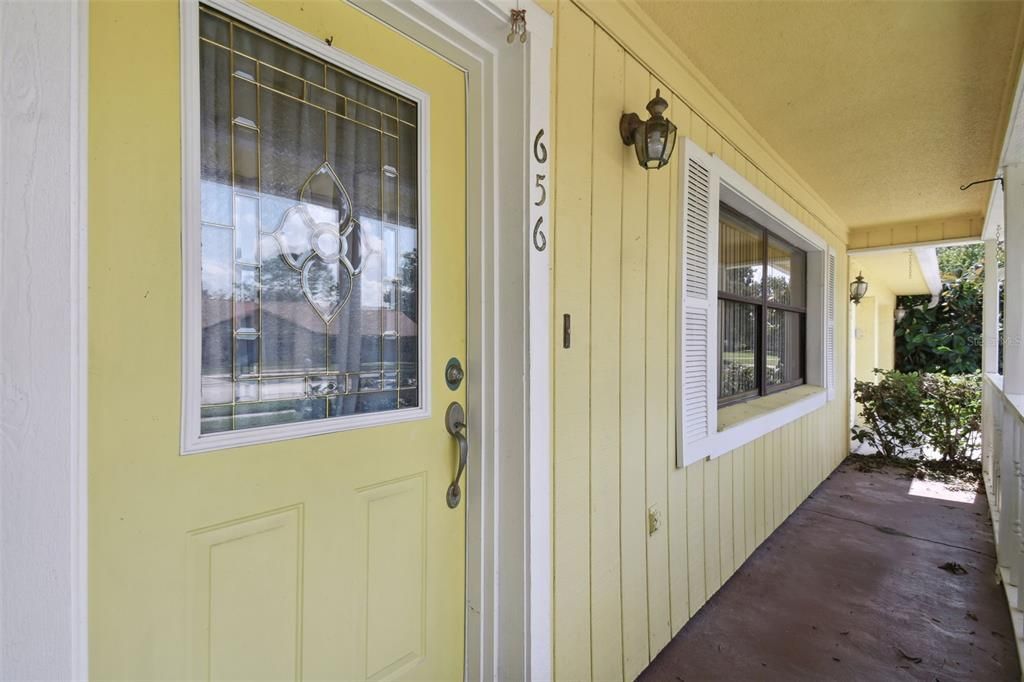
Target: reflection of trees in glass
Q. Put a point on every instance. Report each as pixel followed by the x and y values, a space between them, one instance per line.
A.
pixel 409 286
pixel 778 288
pixel 742 280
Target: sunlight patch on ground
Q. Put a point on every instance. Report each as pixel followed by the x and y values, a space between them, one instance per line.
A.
pixel 940 491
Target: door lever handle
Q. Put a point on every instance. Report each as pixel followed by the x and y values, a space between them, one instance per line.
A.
pixel 455 422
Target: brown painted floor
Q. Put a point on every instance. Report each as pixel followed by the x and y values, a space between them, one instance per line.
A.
pixel 849 588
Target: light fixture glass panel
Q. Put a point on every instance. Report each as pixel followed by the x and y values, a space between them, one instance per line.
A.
pixel 309 198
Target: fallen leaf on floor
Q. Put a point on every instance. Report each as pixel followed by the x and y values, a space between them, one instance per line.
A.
pixel 846 497
pixel 912 659
pixel 972 616
pixel 835 659
pixel 954 568
pixel 845 633
pixel 998 634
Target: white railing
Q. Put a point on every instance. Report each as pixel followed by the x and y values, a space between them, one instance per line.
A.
pixel 1002 427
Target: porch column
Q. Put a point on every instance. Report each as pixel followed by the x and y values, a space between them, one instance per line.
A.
pixel 990 310
pixel 1013 370
pixel 1013 316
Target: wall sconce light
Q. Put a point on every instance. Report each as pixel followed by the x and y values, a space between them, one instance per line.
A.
pixel 654 139
pixel 858 288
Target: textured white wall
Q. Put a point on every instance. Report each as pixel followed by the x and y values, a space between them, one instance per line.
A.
pixel 42 266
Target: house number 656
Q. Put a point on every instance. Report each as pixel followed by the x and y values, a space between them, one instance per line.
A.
pixel 540 153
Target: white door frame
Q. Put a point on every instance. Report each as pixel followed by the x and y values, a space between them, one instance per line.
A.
pixel 508 523
pixel 44 360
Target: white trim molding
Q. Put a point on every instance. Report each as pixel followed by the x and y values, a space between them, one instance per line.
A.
pixel 43 348
pixel 192 441
pixel 928 261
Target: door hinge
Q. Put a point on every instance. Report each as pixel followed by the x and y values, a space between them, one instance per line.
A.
pixel 566 331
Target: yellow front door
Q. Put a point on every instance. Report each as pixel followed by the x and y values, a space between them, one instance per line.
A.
pixel 273 552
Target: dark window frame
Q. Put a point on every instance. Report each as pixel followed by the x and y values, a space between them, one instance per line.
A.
pixel 763 306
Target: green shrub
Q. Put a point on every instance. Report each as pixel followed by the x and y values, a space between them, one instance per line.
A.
pixel 891 410
pixel 951 414
pixel 902 412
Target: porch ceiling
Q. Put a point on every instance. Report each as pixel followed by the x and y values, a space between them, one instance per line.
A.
pixel 898 271
pixel 884 108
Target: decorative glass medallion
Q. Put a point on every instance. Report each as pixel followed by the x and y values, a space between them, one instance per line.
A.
pixel 310 279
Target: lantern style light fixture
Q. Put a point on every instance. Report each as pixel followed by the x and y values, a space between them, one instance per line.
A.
pixel 858 288
pixel 654 139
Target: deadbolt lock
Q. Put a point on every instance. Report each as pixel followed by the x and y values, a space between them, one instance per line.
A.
pixel 454 374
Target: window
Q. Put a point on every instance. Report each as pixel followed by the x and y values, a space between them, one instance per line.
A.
pixel 762 310
pixel 757 311
pixel 310 231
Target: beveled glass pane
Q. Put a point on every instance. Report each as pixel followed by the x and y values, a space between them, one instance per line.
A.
pixel 215 419
pixel 213 28
pixel 741 258
pixel 216 301
pixel 737 343
pixel 407 111
pixel 246 111
pixel 247 235
pixel 784 347
pixel 271 52
pixel 215 135
pixel 310 278
pixel 358 90
pixel 786 274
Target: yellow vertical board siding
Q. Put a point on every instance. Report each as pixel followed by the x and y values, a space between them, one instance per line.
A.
pixel 725 528
pixel 616 257
pixel 712 539
pixel 572 616
pixel 605 322
pixel 679 590
pixel 632 372
pixel 659 285
pixel 739 512
pixel 697 583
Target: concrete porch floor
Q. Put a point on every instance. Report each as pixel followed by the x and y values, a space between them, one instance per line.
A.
pixel 849 587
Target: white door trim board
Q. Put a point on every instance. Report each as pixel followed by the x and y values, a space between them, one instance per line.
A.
pixel 43 348
pixel 508 529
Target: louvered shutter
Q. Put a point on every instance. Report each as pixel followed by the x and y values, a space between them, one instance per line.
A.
pixel 830 324
pixel 696 421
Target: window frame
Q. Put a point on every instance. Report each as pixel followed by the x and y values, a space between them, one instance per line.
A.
pixel 763 307
pixel 705 182
pixel 192 440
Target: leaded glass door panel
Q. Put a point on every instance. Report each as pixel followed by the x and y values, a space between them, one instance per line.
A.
pixel 310 236
pixel 296 525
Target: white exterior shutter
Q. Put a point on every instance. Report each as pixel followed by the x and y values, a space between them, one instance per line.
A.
pixel 830 324
pixel 696 419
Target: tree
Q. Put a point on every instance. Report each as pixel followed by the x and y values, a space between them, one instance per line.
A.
pixel 945 338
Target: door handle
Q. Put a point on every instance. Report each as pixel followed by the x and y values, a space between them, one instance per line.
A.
pixel 455 422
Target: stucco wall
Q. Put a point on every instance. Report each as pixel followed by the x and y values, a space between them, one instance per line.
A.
pixel 874 345
pixel 620 593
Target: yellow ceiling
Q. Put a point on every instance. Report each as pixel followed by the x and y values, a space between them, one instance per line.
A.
pixel 885 108
pixel 897 271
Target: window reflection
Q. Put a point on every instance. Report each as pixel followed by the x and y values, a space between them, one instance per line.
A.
pixel 310 236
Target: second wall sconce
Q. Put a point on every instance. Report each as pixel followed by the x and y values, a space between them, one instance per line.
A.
pixel 858 288
pixel 653 139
